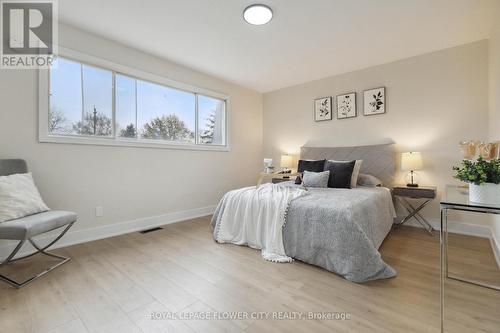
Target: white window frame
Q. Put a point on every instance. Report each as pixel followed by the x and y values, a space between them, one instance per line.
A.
pixel 44 99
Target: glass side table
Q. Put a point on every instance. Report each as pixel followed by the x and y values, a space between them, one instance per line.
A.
pixel 457 198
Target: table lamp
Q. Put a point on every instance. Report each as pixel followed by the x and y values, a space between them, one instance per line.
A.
pixel 286 163
pixel 411 161
pixel 268 165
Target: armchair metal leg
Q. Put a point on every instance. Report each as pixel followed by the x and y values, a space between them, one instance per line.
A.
pixel 10 259
pixel 13 253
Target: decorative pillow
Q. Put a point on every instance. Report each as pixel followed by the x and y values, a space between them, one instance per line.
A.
pixel 309 165
pixel 19 197
pixel 355 171
pixel 368 180
pixel 340 173
pixel 315 179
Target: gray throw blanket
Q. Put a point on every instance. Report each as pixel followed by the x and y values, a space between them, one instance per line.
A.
pixel 339 230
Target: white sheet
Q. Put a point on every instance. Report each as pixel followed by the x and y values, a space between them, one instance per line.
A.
pixel 255 217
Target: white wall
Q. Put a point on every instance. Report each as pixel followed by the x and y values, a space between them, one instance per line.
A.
pixel 495 103
pixel 495 80
pixel 433 102
pixel 130 183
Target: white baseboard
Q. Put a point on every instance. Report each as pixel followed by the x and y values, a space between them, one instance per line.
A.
pixel 458 227
pixel 115 229
pixel 469 230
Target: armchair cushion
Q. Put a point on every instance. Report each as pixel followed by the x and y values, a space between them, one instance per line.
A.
pixel 32 225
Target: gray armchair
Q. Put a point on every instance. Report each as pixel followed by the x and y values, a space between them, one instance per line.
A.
pixel 24 229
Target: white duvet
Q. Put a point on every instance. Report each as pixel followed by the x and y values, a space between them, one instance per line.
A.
pixel 255 217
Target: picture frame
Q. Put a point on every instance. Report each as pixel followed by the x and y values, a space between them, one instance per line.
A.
pixel 374 101
pixel 323 109
pixel 346 106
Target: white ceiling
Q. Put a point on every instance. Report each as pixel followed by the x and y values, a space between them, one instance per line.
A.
pixel 306 40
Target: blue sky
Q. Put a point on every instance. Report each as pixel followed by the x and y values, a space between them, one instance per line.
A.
pixel 65 88
pixel 152 99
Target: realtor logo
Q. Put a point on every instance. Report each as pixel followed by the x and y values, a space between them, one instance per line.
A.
pixel 29 32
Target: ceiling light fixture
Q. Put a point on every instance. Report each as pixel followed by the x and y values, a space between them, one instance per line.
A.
pixel 258 14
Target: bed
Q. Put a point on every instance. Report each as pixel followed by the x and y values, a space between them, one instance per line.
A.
pixel 339 229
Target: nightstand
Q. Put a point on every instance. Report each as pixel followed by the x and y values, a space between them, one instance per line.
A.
pixel 425 194
pixel 276 177
pixel 280 180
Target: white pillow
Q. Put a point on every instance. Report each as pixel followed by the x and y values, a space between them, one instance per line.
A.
pixel 19 197
pixel 355 171
pixel 368 180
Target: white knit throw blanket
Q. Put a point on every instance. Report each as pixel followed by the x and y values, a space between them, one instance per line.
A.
pixel 255 217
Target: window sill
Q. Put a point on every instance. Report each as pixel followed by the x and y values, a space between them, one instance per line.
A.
pixel 129 143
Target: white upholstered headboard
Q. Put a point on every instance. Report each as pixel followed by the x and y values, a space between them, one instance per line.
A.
pixel 378 160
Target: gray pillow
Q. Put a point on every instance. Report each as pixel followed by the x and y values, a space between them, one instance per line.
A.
pixel 315 179
pixel 368 180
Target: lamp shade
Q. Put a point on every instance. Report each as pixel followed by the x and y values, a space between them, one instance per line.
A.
pixel 411 161
pixel 286 161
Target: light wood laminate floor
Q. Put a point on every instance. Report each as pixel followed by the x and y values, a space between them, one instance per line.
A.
pixel 113 285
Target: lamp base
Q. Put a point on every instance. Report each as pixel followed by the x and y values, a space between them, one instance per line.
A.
pixel 412 185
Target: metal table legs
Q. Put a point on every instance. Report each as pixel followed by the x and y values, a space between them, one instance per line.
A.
pixel 443 263
pixel 443 256
pixel 414 212
pixel 444 251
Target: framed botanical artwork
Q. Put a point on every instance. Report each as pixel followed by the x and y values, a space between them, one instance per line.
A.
pixel 346 106
pixel 374 101
pixel 323 109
